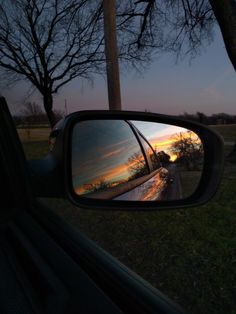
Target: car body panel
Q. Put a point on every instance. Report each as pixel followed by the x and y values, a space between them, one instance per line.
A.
pixel 48 267
pixel 152 190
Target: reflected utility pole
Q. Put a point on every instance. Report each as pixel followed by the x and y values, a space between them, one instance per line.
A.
pixel 112 63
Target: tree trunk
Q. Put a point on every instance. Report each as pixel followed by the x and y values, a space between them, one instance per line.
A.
pixel 48 103
pixel 112 64
pixel 225 13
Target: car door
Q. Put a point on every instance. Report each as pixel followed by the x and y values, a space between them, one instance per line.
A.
pixel 156 183
pixel 48 267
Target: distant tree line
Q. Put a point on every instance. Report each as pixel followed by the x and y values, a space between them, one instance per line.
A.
pixel 32 114
pixel 188 150
pixel 217 118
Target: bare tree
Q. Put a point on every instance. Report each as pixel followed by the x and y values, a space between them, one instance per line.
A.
pixel 49 43
pixel 188 149
pixel 179 26
pixel 137 166
pixel 32 113
pixel 100 185
pixel 31 109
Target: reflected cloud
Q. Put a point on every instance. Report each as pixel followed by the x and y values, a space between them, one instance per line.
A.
pixel 112 154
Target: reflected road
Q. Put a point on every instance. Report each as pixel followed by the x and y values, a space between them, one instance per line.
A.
pixel 174 189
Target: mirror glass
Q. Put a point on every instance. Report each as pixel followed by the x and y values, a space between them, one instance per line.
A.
pixel 135 160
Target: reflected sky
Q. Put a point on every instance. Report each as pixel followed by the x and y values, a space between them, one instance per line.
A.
pixel 101 150
pixel 159 135
pixel 152 130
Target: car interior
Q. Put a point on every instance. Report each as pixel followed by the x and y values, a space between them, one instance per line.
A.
pixel 47 266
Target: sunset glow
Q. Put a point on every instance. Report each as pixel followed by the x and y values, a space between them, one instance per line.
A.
pixel 173 157
pixel 117 156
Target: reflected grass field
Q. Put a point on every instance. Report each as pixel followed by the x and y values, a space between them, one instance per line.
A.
pixel 189 182
pixel 188 254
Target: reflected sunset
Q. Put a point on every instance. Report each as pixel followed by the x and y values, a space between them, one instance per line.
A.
pixel 125 154
pixel 163 139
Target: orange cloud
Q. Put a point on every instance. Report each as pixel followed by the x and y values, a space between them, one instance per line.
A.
pixel 165 142
pixel 111 154
pixel 113 174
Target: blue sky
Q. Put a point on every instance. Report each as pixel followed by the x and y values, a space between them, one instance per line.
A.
pixel 206 84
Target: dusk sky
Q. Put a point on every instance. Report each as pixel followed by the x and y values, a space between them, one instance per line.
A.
pixel 206 84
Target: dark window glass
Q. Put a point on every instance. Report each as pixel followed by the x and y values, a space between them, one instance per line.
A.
pixel 105 154
pixel 151 155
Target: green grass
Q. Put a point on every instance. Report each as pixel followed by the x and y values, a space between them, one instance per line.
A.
pixel 35 149
pixel 34 141
pixel 189 181
pixel 188 254
pixel 34 134
pixel 228 131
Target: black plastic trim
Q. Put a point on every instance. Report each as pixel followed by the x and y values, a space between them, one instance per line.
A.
pixel 11 153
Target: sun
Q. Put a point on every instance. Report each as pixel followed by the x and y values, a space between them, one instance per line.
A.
pixel 173 157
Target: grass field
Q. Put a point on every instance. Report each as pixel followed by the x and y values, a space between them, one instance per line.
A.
pixel 228 131
pixel 34 135
pixel 188 254
pixel 189 182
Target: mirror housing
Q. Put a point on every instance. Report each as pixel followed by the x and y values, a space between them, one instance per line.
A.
pixel 61 154
pixel 211 171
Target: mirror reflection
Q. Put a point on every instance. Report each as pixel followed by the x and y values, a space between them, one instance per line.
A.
pixel 135 160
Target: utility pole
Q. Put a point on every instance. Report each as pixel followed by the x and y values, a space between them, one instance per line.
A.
pixel 112 63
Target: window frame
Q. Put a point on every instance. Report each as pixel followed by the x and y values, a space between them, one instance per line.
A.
pixel 148 159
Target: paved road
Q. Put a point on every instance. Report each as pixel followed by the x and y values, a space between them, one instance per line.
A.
pixel 174 190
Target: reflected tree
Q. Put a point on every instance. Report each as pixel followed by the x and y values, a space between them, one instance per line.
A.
pixel 101 185
pixel 164 158
pixel 160 158
pixel 188 149
pixel 137 166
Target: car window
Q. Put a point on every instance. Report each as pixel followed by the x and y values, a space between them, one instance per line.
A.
pixel 115 156
pixel 150 153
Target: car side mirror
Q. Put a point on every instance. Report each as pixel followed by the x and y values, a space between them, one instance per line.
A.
pixel 138 161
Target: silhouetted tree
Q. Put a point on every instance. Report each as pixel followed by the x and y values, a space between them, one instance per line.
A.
pixel 137 166
pixel 201 117
pixel 49 43
pixel 163 158
pixel 101 185
pixel 181 26
pixel 188 149
pixel 32 113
